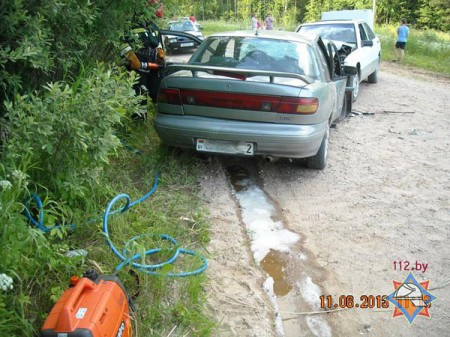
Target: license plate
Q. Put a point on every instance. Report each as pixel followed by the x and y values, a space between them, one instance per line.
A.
pixel 190 44
pixel 225 146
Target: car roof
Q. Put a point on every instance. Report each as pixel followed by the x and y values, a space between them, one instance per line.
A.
pixel 272 34
pixel 321 22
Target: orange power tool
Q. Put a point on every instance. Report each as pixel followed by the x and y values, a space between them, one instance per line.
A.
pixel 93 306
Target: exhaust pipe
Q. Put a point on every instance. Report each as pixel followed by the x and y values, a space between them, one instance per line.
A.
pixel 271 159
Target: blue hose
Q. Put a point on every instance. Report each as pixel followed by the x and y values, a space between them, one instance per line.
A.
pixel 149 269
pixel 40 222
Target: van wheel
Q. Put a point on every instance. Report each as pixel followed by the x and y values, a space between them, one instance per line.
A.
pixel 319 161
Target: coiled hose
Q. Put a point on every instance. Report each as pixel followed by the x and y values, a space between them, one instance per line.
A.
pixel 150 269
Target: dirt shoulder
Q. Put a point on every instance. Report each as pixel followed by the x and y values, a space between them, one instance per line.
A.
pixel 383 198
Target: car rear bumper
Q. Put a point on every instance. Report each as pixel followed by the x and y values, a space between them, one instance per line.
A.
pixel 181 45
pixel 278 140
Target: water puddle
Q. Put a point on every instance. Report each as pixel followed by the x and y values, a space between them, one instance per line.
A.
pixel 274 264
pixel 275 249
pixel 270 241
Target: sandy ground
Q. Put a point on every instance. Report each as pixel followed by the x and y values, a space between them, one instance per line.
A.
pixel 384 197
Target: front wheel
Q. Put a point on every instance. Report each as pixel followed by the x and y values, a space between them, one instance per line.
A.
pixel 319 161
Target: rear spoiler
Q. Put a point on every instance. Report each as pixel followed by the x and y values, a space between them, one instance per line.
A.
pixel 171 68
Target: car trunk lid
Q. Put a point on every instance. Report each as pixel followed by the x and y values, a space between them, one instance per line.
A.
pixel 239 94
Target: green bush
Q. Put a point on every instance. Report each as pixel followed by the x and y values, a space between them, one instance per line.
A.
pixel 59 138
pixel 36 264
pixel 67 134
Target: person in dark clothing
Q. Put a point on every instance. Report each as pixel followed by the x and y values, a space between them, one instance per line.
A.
pixel 144 54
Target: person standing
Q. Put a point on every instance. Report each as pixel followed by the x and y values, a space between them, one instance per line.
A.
pixel 143 52
pixel 254 22
pixel 268 23
pixel 192 18
pixel 402 37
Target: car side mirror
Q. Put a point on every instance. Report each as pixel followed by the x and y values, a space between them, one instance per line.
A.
pixel 367 43
pixel 350 70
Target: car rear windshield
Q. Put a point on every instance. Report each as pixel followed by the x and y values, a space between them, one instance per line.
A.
pixel 257 53
pixel 182 26
pixel 344 32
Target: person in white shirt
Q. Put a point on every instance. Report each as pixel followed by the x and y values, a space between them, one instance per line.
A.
pixel 254 22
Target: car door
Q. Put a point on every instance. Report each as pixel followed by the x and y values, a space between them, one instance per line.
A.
pixel 336 78
pixel 370 46
pixel 375 49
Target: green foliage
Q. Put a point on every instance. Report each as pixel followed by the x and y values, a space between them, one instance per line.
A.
pixel 174 209
pixel 47 41
pixel 68 131
pixel 426 49
pixel 434 15
pixel 33 261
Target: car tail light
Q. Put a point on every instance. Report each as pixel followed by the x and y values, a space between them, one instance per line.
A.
pixel 169 96
pixel 225 100
pixel 299 105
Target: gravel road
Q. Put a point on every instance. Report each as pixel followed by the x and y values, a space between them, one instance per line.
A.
pixel 378 212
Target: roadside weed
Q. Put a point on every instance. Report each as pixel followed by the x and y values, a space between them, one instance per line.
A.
pixel 425 49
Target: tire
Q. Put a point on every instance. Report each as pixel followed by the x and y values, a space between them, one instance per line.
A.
pixel 356 83
pixel 319 161
pixel 344 111
pixel 373 78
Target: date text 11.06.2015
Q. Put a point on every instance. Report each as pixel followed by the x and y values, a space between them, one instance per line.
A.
pixel 349 301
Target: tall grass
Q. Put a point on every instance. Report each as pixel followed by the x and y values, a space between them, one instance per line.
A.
pixel 212 27
pixel 426 49
pixel 164 303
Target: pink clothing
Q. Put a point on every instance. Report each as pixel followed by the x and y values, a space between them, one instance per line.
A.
pixel 269 23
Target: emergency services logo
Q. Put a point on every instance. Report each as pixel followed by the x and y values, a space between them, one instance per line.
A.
pixel 411 298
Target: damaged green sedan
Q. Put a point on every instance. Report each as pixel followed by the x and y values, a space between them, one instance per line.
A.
pixel 264 93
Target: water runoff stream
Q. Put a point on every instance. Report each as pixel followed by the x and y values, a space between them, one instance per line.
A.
pixel 288 269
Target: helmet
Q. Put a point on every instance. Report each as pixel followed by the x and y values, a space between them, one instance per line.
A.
pixel 411 292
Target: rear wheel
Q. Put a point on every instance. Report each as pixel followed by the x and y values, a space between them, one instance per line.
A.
pixel 373 78
pixel 319 161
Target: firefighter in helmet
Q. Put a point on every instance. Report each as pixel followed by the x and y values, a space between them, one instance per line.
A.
pixel 141 48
